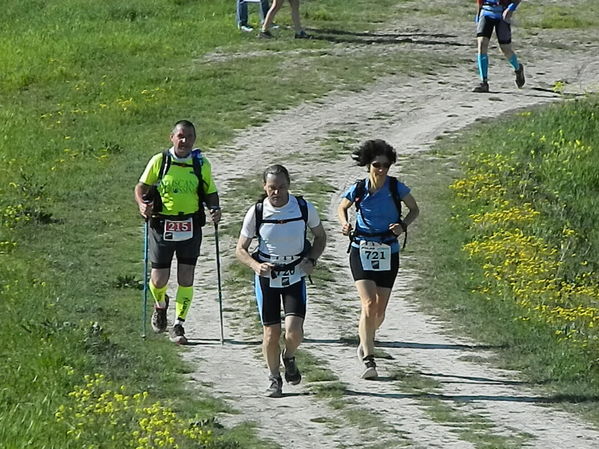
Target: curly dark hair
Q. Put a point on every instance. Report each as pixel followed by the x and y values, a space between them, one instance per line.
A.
pixel 370 149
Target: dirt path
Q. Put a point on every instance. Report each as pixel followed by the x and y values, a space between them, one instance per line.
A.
pixel 479 401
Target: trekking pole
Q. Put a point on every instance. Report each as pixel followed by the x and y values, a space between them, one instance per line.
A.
pixel 220 293
pixel 145 280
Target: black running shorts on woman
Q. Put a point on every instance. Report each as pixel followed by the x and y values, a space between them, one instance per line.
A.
pixel 384 279
pixel 269 300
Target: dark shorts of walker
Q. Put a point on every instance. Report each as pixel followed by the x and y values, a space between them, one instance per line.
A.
pixel 269 299
pixel 486 25
pixel 384 279
pixel 162 251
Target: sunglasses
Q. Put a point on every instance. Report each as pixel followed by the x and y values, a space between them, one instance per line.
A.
pixel 381 164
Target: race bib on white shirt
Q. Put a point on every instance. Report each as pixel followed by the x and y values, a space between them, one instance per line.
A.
pixel 285 278
pixel 178 230
pixel 375 256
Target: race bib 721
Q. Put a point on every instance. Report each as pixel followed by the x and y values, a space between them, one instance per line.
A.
pixel 375 256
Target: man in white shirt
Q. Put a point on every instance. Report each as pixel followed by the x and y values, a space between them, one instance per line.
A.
pixel 283 259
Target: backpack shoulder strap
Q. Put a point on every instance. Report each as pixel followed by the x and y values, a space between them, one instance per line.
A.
pixel 395 194
pixel 165 164
pixel 258 212
pixel 303 205
pixel 360 192
pixel 198 161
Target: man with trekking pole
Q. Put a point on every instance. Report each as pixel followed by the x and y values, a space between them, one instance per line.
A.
pixel 171 194
pixel 281 262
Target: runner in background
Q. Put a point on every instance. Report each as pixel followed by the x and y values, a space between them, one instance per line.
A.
pixel 374 250
pixel 281 262
pixel 496 15
pixel 171 193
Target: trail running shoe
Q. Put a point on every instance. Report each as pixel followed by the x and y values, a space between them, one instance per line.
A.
pixel 370 368
pixel 520 79
pixel 265 35
pixel 482 87
pixel 178 334
pixel 159 318
pixel 302 35
pixel 276 387
pixel 246 28
pixel 292 374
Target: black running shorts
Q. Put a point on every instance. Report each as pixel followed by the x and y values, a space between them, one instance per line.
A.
pixel 162 251
pixel 269 300
pixel 502 29
pixel 384 279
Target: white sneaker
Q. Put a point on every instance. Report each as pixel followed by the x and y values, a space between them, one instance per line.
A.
pixel 246 29
pixel 370 369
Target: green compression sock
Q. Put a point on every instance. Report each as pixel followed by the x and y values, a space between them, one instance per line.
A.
pixel 159 295
pixel 184 296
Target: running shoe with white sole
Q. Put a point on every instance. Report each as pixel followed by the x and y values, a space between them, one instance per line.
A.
pixel 159 321
pixel 292 373
pixel 275 390
pixel 178 334
pixel 370 368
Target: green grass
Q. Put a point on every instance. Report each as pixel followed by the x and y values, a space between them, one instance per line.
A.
pixel 89 93
pixel 580 16
pixel 559 178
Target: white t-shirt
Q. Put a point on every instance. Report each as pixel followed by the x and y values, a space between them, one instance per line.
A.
pixel 280 240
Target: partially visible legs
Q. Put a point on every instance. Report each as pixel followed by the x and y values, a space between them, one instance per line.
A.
pixel 264 7
pixel 161 255
pixel 158 280
pixel 295 16
pixel 374 305
pixel 294 305
pixel 242 14
pixel 374 290
pixel 482 61
pixel 271 335
pixel 268 300
pixel 508 52
pixel 484 30
pixel 270 17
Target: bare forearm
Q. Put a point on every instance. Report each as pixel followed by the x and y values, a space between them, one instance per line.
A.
pixel 318 247
pixel 245 257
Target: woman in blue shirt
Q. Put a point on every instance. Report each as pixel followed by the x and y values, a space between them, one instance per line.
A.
pixel 374 252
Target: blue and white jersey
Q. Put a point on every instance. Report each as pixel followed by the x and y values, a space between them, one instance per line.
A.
pixel 377 212
pixel 493 8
